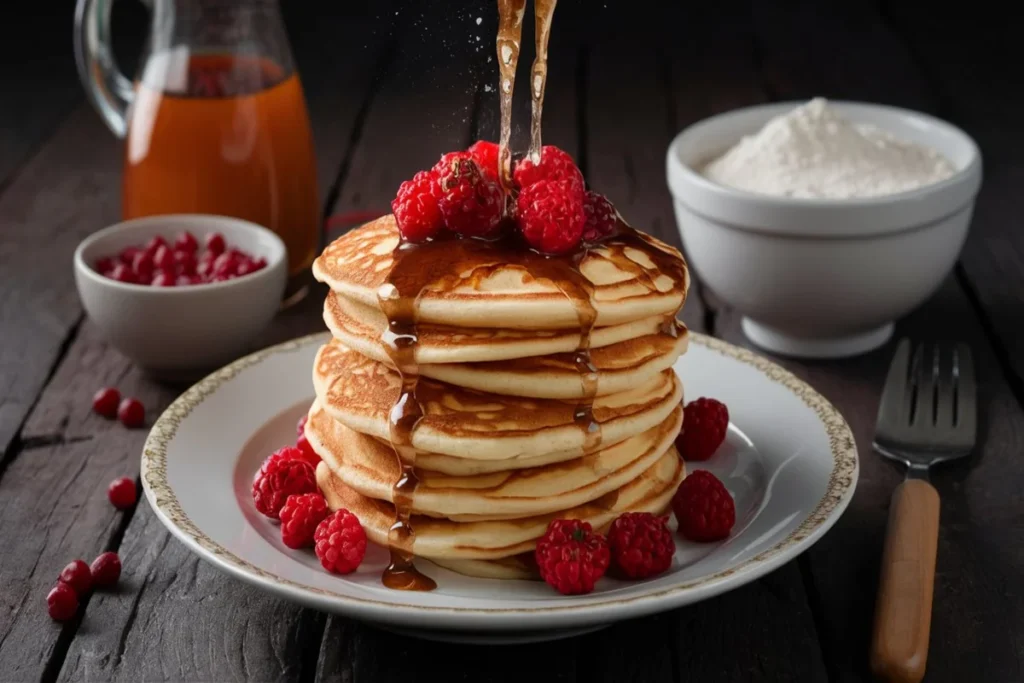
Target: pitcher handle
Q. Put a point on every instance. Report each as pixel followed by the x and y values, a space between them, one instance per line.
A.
pixel 107 88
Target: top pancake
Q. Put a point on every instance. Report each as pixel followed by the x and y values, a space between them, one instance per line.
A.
pixel 474 283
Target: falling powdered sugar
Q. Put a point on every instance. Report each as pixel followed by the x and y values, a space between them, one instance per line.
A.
pixel 813 152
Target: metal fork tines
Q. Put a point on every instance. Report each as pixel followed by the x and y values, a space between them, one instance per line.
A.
pixel 928 406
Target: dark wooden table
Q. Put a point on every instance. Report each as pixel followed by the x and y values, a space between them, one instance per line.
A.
pixel 389 89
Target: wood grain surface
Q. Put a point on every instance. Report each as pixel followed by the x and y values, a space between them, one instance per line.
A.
pixel 390 87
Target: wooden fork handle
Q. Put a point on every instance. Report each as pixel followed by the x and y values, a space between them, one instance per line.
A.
pixel 899 646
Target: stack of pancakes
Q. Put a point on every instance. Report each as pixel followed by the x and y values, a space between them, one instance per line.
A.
pixel 513 432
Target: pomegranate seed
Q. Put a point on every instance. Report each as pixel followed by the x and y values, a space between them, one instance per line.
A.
pixel 215 243
pixel 163 258
pixel 185 262
pixel 260 263
pixel 61 602
pixel 163 279
pixel 186 280
pixel 155 244
pixel 77 575
pixel 127 255
pixel 224 264
pixel 245 267
pixel 123 273
pixel 121 493
pixel 104 265
pixel 142 266
pixel 106 569
pixel 131 413
pixel 186 242
pixel 105 402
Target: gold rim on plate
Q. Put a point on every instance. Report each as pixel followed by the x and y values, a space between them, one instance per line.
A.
pixel 840 484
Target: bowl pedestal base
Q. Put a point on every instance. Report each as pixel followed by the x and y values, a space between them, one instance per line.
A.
pixel 778 342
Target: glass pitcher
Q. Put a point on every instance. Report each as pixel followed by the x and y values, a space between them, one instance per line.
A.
pixel 215 121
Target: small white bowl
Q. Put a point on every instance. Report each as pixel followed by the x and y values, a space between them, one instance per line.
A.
pixel 181 332
pixel 821 278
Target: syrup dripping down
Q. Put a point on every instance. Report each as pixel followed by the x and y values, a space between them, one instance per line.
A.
pixel 510 29
pixel 544 10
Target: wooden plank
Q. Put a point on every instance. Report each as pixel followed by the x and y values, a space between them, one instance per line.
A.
pixel 980 545
pixel 91 452
pixel 980 93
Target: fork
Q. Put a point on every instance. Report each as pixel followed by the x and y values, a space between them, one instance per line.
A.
pixel 927 415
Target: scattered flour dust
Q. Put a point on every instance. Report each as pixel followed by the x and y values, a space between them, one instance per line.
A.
pixel 813 152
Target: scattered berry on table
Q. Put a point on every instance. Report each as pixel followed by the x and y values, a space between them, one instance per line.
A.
pixel 485 154
pixel 415 207
pixel 61 602
pixel 705 422
pixel 555 164
pixel 78 576
pixel 571 557
pixel 278 478
pixel 641 544
pixel 300 517
pixel 704 509
pixel 601 217
pixel 470 203
pixel 550 216
pixel 121 493
pixel 106 569
pixel 105 402
pixel 131 413
pixel 340 542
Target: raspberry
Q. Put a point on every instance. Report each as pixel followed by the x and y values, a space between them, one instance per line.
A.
pixel 571 557
pixel 704 509
pixel 105 401
pixel 705 422
pixel 77 576
pixel 61 602
pixel 297 452
pixel 555 164
pixel 308 454
pixel 131 413
pixel 601 217
pixel 485 154
pixel 470 203
pixel 121 493
pixel 300 517
pixel 340 542
pixel 106 569
pixel 415 208
pixel 550 216
pixel 641 544
pixel 278 478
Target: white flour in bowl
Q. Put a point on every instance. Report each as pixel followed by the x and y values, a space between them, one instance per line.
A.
pixel 813 152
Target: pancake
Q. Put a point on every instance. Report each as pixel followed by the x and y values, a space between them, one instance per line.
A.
pixel 652 491
pixel 620 365
pixel 371 468
pixel 360 328
pixel 522 567
pixel 360 393
pixel 469 283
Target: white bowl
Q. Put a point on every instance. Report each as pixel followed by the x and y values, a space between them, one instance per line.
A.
pixel 181 332
pixel 821 278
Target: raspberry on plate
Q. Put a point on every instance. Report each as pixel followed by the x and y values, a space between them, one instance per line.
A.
pixel 550 216
pixel 278 478
pixel 300 426
pixel 340 542
pixel 308 454
pixel 601 217
pixel 641 544
pixel 298 452
pixel 571 557
pixel 705 422
pixel 415 208
pixel 300 517
pixel 704 509
pixel 485 154
pixel 555 164
pixel 470 203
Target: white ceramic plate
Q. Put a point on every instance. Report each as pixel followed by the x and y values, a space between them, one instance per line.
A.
pixel 789 461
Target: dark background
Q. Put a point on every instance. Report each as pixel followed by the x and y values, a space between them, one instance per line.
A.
pixel 390 86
